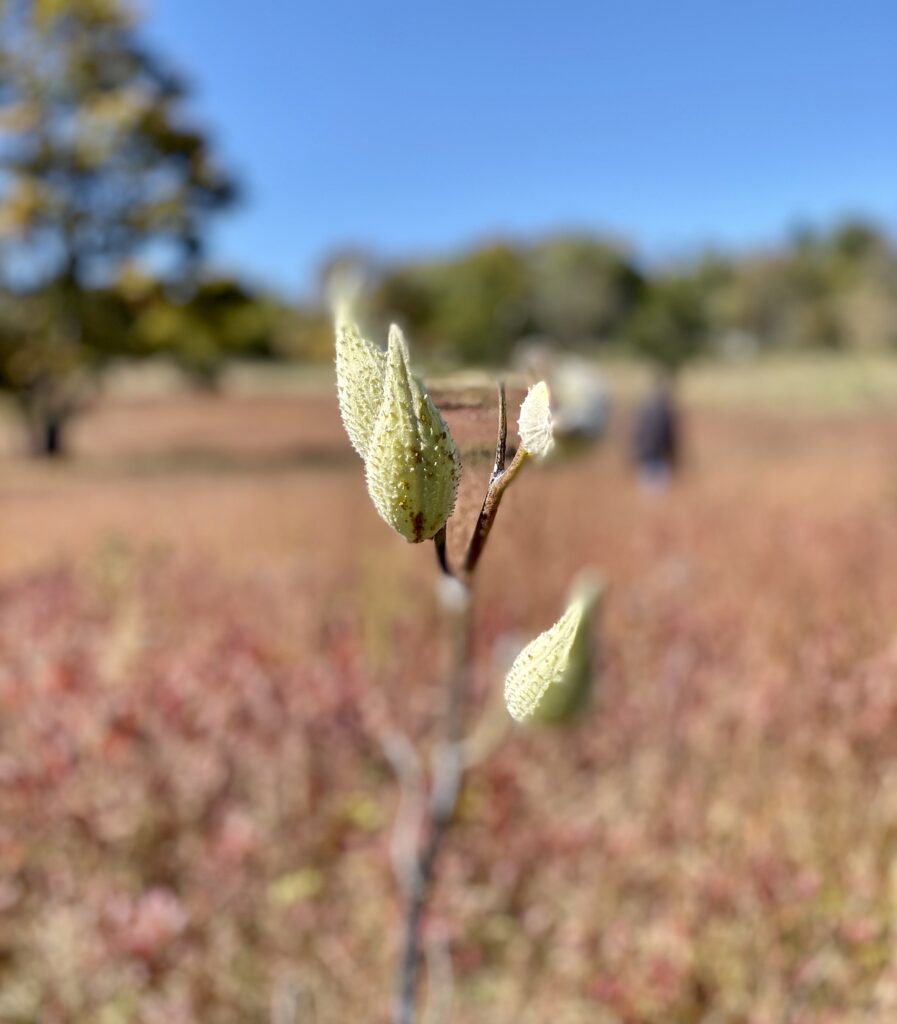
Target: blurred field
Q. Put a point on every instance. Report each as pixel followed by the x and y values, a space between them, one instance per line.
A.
pixel 202 622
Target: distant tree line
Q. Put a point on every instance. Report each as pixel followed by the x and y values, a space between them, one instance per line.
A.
pixel 107 190
pixel 834 289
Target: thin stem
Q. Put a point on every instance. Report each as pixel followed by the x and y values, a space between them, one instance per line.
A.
pixel 498 482
pixel 502 443
pixel 452 757
pixel 440 980
pixel 399 751
pixel 447 785
pixel 441 554
pixel 486 519
pixel 448 772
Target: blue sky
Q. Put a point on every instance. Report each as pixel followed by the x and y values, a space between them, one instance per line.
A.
pixel 415 127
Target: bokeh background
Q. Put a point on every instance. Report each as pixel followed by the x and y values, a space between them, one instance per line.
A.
pixel 678 213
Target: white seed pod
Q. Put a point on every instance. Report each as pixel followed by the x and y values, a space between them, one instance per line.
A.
pixel 551 677
pixel 360 369
pixel 412 464
pixel 536 434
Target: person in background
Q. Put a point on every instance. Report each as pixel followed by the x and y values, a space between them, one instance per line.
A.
pixel 656 440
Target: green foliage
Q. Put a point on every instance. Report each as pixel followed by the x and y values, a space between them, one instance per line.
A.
pixel 99 159
pixel 100 165
pixel 831 290
pixel 475 308
pixel 481 302
pixel 585 288
pixel 43 363
pixel 306 335
pixel 218 319
pixel 670 327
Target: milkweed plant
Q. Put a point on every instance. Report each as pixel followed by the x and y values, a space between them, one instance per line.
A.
pixel 413 469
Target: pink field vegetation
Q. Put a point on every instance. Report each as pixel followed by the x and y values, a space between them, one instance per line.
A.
pixel 195 813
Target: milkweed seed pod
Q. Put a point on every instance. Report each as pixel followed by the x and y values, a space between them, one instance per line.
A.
pixel 412 464
pixel 550 679
pixel 360 369
pixel 536 434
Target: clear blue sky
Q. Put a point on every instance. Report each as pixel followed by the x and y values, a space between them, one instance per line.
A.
pixel 413 127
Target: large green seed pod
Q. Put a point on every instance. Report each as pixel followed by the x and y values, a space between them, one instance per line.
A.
pixel 412 464
pixel 360 369
pixel 551 677
pixel 535 426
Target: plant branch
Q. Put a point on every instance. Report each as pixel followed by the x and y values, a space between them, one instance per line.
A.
pixel 415 865
pixel 501 444
pixel 399 751
pixel 439 542
pixel 498 483
pixel 497 487
pixel 447 778
pixel 440 979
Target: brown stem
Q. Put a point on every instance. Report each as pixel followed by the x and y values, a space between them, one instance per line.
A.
pixel 502 443
pixel 498 482
pixel 449 765
pixel 486 520
pixel 441 554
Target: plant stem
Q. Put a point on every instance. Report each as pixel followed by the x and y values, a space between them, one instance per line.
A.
pixel 450 761
pixel 448 772
pixel 439 542
pixel 449 764
pixel 498 483
pixel 497 487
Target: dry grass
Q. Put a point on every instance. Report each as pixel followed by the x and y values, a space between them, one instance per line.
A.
pixel 196 612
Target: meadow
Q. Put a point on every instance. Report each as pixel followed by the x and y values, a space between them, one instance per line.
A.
pixel 204 627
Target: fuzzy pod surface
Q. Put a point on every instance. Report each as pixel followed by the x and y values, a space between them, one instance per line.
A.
pixel 550 679
pixel 360 373
pixel 412 464
pixel 535 424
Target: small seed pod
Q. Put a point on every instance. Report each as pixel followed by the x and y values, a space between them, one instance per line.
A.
pixel 551 677
pixel 536 433
pixel 412 464
pixel 360 369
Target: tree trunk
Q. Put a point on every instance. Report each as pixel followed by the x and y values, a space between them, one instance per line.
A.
pixel 51 442
pixel 47 430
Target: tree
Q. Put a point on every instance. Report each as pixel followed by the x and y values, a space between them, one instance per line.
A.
pixel 584 288
pixel 50 375
pixel 220 318
pixel 98 166
pixel 670 327
pixel 473 307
